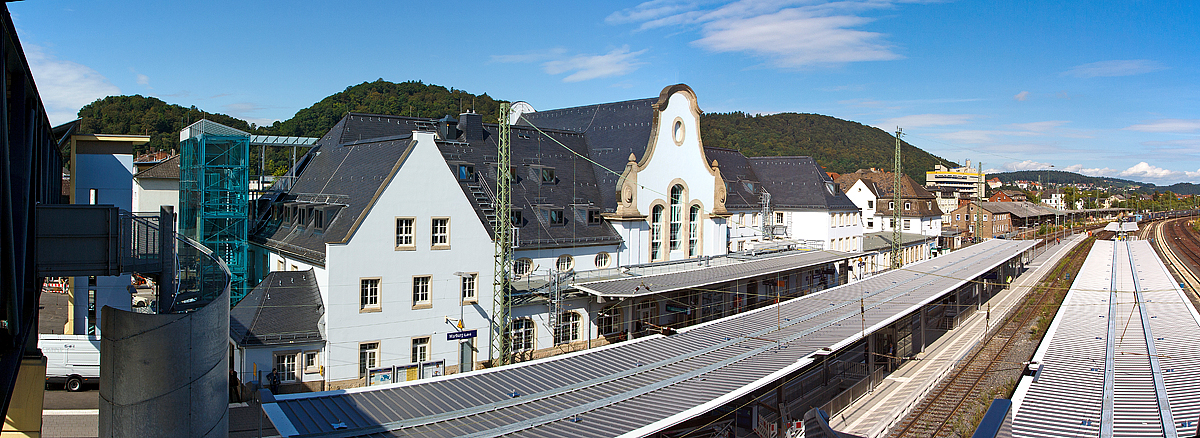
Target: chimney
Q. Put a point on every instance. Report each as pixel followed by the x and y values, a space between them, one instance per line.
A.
pixel 447 128
pixel 471 125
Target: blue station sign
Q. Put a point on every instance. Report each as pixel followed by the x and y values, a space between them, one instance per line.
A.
pixel 454 336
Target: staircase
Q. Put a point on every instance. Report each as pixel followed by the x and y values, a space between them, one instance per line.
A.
pixel 484 198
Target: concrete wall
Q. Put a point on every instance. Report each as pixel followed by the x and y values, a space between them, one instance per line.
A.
pixel 165 375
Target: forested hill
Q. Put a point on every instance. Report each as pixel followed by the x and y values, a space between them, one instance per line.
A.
pixel 412 98
pixel 841 146
pixel 146 116
pixel 1062 177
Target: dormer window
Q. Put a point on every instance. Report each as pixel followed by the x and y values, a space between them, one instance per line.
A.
pixel 515 216
pixel 547 175
pixel 557 217
pixel 318 219
pixel 908 206
pixel 891 205
pixel 466 172
pixel 593 217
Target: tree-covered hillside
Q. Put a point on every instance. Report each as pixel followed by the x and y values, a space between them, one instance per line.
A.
pixel 141 115
pixel 412 98
pixel 841 146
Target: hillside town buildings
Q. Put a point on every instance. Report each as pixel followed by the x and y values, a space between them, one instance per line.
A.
pixel 965 180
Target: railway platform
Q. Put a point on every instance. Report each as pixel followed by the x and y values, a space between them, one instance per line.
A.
pixel 876 413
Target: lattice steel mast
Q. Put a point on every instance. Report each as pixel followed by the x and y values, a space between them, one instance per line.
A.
pixel 502 229
pixel 896 236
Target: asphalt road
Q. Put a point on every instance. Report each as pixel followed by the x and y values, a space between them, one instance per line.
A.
pixel 59 398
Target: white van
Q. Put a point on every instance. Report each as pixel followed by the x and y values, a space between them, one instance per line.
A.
pixel 71 360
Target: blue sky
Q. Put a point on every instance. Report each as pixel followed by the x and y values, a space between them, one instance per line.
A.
pixel 1099 88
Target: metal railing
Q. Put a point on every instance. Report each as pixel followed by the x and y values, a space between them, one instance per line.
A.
pixel 200 277
pixel 140 242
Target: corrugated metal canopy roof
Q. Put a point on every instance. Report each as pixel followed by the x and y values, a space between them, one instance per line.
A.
pixel 708 275
pixel 1120 359
pixel 639 387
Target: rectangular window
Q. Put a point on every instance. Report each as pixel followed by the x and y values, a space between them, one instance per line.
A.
pixel 285 366
pixel 908 224
pixel 870 204
pixel 779 218
pixel 557 217
pixel 318 219
pixel 368 357
pixel 440 232
pixel 311 363
pixel 548 175
pixel 958 217
pixel 368 300
pixel 516 217
pixel 420 349
pixel 420 291
pixel 404 233
pixel 870 223
pixel 985 218
pixel 593 217
pixel 908 206
pixel 469 287
pixel 521 334
pixel 694 231
pixel 466 172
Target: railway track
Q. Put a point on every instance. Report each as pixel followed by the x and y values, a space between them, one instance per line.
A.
pixel 1180 249
pixel 992 363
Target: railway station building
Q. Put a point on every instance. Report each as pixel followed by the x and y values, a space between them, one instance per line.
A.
pixel 612 204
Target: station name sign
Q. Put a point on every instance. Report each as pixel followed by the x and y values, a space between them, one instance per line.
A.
pixel 454 336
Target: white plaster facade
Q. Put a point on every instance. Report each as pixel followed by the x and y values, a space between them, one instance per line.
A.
pixel 149 194
pixel 423 188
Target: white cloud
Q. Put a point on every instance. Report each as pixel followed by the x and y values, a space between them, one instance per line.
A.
pixel 1092 171
pixel 531 56
pixel 1113 68
pixel 1022 96
pixel 614 63
pixel 1146 170
pixel 970 136
pixel 143 79
pixel 1026 165
pixel 812 34
pixel 922 120
pixel 65 86
pixel 1040 126
pixel 1168 125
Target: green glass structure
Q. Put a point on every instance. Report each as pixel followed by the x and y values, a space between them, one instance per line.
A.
pixel 214 175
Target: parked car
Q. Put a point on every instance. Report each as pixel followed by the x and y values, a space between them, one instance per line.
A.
pixel 71 360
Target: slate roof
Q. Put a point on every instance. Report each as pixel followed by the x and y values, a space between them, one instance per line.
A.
pixel 924 203
pixel 799 183
pixel 165 169
pixel 284 309
pixel 742 185
pixel 1020 209
pixel 612 131
pixel 353 161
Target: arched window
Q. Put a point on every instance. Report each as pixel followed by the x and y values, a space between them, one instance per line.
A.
pixel 522 266
pixel 565 263
pixel 694 231
pixel 656 233
pixel 603 259
pixel 676 216
pixel 568 328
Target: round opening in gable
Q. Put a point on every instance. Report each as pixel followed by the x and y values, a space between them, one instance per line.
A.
pixel 678 131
